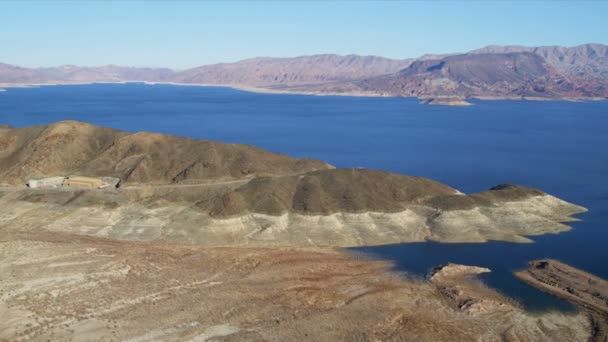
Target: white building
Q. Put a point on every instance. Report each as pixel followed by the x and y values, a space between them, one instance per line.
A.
pixel 74 182
pixel 51 182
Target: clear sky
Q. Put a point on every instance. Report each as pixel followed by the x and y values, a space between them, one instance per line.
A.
pixel 191 33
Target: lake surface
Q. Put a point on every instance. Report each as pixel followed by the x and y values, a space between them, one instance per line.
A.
pixel 559 147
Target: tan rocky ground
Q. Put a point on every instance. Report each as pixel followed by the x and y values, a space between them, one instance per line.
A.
pixel 62 287
pixel 579 287
pixel 181 250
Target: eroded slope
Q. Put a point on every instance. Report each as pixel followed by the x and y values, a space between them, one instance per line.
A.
pixel 203 192
pixel 72 147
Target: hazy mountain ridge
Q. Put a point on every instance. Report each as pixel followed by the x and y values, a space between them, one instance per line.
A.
pixel 589 59
pixel 10 74
pixel 513 74
pixel 492 72
pixel 267 71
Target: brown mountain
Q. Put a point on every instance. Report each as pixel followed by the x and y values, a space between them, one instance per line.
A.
pixel 254 72
pixel 589 60
pixel 326 192
pixel 515 74
pixel 491 72
pixel 272 72
pixel 72 147
pixel 213 193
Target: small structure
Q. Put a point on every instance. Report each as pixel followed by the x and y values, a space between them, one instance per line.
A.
pixel 50 182
pixel 81 182
pixel 91 182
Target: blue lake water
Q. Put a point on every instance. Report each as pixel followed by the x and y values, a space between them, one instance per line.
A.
pixel 559 147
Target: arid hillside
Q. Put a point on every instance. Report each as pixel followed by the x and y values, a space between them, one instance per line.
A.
pixel 210 193
pixel 329 191
pixel 72 147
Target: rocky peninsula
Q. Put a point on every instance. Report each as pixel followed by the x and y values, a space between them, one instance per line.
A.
pixel 587 291
pixel 203 192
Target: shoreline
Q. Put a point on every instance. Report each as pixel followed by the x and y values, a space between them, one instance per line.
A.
pixel 581 288
pixel 262 90
pixel 303 288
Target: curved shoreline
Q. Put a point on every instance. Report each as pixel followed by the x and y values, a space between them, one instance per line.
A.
pixel 262 90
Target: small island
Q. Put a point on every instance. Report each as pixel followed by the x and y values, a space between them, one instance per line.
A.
pixel 445 101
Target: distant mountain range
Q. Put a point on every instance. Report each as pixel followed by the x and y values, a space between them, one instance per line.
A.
pixel 550 72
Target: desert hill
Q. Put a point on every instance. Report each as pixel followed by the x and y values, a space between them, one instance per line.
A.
pixel 210 193
pixel 72 147
pixel 330 191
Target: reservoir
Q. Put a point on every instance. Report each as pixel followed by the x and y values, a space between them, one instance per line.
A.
pixel 559 147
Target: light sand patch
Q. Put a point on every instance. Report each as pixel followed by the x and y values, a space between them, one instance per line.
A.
pixel 216 331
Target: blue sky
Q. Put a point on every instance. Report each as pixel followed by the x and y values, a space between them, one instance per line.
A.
pixel 191 33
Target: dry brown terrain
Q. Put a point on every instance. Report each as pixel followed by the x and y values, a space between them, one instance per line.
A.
pixel 63 287
pixel 72 147
pixel 209 193
pixel 178 252
pixel 582 288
